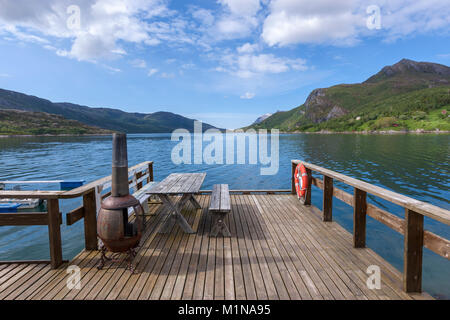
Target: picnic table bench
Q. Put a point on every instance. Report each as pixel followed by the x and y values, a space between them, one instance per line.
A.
pixel 142 196
pixel 220 206
pixel 184 184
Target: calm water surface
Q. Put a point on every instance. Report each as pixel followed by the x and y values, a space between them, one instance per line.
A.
pixel 414 165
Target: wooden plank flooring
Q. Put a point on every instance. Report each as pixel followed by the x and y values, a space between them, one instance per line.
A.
pixel 279 249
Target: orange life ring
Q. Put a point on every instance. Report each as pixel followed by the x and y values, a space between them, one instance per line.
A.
pixel 301 180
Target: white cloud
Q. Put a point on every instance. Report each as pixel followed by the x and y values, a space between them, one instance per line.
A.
pixel 344 22
pixel 248 95
pixel 188 66
pixel 139 63
pixel 105 25
pixel 304 21
pixel 410 17
pixel 251 65
pixel 204 16
pixel 242 7
pixel 237 19
pixel 111 29
pixel 152 71
pixel 248 48
pixel 4 75
pixel 111 69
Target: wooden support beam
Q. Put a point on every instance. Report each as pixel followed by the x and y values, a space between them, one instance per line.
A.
pixel 435 243
pixel 90 221
pixel 54 233
pixel 139 184
pixel 327 199
pixel 308 190
pixel 413 251
pixel 150 172
pixel 24 219
pixel 359 218
pixel 293 166
pixel 74 215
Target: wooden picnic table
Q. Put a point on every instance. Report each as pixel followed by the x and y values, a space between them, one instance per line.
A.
pixel 185 184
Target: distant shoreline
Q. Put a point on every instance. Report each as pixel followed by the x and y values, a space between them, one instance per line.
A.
pixel 53 135
pixel 387 132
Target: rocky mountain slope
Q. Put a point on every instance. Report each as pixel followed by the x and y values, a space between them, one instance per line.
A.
pixel 408 95
pixel 106 118
pixel 18 122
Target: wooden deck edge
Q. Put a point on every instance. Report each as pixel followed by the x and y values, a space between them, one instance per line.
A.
pixel 29 261
pixel 275 191
pixel 397 283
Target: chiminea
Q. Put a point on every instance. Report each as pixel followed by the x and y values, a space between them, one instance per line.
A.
pixel 113 227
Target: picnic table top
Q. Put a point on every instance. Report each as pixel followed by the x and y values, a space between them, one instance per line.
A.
pixel 177 183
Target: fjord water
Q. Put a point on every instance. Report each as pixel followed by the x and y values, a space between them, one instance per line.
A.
pixel 414 165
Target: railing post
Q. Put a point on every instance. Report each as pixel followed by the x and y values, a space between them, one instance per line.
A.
pixel 327 198
pixel 293 166
pixel 90 220
pixel 413 251
pixel 54 232
pixel 359 218
pixel 150 172
pixel 308 190
pixel 138 176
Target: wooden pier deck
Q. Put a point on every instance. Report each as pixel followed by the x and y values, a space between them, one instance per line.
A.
pixel 279 249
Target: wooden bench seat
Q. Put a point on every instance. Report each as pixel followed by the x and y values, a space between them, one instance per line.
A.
pixel 220 206
pixel 143 197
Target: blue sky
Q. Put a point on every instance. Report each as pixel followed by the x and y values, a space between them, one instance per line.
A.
pixel 225 62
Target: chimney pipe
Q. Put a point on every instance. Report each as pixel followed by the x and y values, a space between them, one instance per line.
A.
pixel 119 184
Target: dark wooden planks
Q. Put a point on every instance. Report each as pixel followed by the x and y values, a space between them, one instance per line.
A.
pixel 177 183
pixel 215 198
pixel 359 218
pixel 54 232
pixel 413 251
pixel 279 249
pixel 327 199
pixel 90 220
pixel 224 198
pixel 220 198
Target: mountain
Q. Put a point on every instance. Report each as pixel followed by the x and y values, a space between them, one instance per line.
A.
pixel 106 118
pixel 18 122
pixel 262 118
pixel 408 95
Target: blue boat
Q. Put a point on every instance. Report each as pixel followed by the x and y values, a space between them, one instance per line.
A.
pixel 63 184
pixel 9 207
pixel 70 184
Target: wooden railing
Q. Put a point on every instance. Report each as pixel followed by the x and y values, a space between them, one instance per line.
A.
pixel 415 237
pixel 92 194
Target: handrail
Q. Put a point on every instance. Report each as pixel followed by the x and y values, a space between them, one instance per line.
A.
pixel 421 207
pixel 77 192
pixel 88 211
pixel 415 237
pixel 74 193
pixel 6 194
